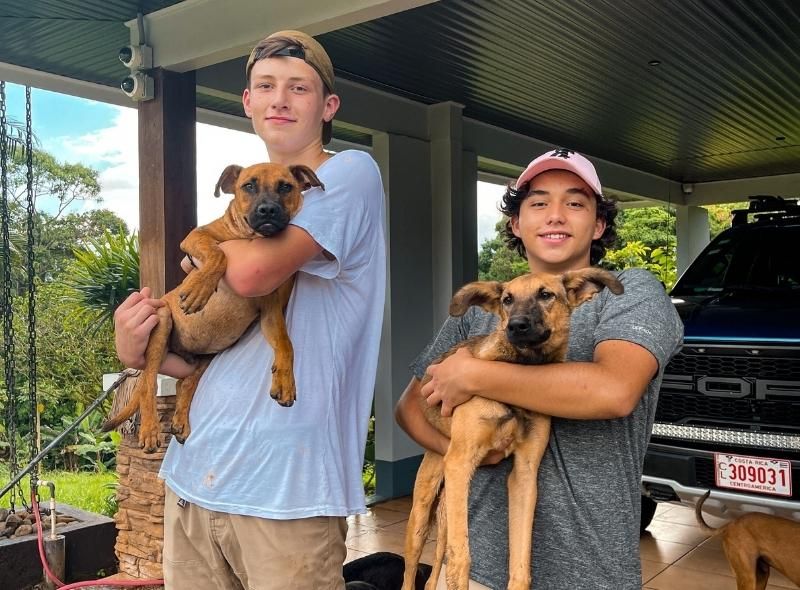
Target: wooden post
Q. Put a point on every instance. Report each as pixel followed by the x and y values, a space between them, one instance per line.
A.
pixel 167 178
pixel 167 212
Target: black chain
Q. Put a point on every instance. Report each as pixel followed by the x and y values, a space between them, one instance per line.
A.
pixel 33 400
pixel 8 325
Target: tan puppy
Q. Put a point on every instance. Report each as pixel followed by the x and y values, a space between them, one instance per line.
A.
pixel 534 312
pixel 755 542
pixel 202 316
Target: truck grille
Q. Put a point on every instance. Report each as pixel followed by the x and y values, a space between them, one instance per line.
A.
pixel 693 408
pixel 738 374
pixel 732 365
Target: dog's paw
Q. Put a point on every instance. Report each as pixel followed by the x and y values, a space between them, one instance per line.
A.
pixel 194 293
pixel 283 388
pixel 148 439
pixel 180 428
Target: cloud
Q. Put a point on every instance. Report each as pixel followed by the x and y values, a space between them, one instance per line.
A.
pixel 216 149
pixel 114 151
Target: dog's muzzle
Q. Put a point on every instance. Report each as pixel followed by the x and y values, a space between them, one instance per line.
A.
pixel 268 218
pixel 521 332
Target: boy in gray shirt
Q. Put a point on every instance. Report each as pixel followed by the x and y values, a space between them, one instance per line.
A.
pixel 603 399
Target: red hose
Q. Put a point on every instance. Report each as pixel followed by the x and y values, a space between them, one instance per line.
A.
pixel 61 585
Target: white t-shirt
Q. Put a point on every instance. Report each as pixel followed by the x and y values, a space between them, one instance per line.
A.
pixel 248 455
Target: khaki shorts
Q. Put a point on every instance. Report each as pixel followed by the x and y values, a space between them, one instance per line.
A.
pixel 211 550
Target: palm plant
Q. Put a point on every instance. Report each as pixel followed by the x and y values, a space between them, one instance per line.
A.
pixel 15 135
pixel 103 274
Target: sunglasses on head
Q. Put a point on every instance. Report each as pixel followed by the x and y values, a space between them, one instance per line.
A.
pixel 291 51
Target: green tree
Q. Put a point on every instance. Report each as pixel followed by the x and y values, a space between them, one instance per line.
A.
pixel 652 226
pixel 496 262
pixel 719 216
pixel 660 261
pixel 56 185
pixel 58 237
pixel 56 231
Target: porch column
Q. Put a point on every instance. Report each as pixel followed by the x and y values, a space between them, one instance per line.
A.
pixel 167 178
pixel 692 233
pixel 454 183
pixel 405 166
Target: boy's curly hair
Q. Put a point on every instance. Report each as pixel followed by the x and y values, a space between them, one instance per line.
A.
pixel 606 209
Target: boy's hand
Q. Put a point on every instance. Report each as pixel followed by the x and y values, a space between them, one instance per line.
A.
pixel 134 319
pixel 450 383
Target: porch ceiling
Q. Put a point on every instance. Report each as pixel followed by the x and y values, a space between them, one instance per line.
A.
pixel 572 73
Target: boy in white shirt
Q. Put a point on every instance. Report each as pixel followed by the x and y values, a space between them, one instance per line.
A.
pixel 257 496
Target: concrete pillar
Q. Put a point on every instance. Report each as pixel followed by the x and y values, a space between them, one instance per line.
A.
pixel 692 233
pixel 405 166
pixel 454 177
pixel 431 189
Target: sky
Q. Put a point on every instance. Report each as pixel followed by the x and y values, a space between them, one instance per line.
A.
pixel 104 137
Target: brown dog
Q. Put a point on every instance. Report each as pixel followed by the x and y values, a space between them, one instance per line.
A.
pixel 755 542
pixel 202 316
pixel 534 312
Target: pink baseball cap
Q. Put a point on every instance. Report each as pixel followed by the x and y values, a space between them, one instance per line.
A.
pixel 562 159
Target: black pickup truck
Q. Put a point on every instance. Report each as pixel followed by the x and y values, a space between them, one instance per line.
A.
pixel 728 416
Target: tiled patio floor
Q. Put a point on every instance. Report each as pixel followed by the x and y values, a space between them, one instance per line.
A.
pixel 675 553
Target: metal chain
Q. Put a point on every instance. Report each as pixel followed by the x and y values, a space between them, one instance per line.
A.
pixel 33 399
pixel 8 325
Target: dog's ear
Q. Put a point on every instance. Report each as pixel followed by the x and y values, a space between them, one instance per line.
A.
pixel 227 180
pixel 486 294
pixel 306 177
pixel 582 285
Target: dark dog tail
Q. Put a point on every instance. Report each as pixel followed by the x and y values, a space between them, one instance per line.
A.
pixel 698 513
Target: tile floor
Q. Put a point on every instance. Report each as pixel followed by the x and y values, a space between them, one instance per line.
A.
pixel 675 553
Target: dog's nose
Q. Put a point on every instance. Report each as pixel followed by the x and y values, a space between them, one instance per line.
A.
pixel 522 331
pixel 518 327
pixel 268 209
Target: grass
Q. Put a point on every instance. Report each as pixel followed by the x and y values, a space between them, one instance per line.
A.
pixel 93 492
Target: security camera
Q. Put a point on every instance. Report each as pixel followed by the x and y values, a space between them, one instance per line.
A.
pixel 138 86
pixel 136 57
pixel 687 188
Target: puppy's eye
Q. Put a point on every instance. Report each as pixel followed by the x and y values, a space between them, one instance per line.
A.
pixel 284 187
pixel 250 187
pixel 508 299
pixel 546 295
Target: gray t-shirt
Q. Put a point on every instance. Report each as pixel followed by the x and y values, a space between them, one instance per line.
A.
pixel 586 530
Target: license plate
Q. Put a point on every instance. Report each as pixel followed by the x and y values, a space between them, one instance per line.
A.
pixel 753 474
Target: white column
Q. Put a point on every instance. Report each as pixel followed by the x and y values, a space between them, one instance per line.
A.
pixel 454 178
pixel 692 231
pixel 405 167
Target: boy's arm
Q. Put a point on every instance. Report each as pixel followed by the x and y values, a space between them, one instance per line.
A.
pixel 408 414
pixel 608 387
pixel 258 267
pixel 254 267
